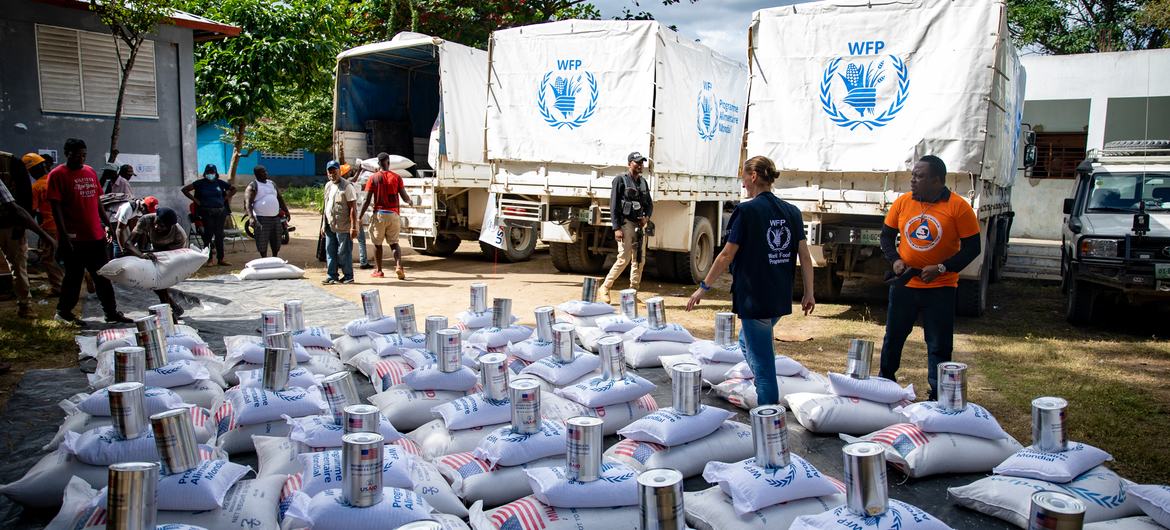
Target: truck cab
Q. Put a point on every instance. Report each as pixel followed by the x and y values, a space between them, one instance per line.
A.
pixel 1116 235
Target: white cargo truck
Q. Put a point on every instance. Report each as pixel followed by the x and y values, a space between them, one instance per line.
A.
pixel 423 98
pixel 569 100
pixel 845 97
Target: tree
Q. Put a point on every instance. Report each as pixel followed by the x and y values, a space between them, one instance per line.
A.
pixel 129 22
pixel 284 50
pixel 1085 26
pixel 304 122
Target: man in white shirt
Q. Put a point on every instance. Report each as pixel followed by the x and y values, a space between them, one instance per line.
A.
pixel 264 204
pixel 339 225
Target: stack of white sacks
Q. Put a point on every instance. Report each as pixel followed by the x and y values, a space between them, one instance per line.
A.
pixel 270 269
pixel 856 403
pixel 647 343
pixel 356 339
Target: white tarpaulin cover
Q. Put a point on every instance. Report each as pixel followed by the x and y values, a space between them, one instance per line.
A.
pixel 873 86
pixel 462 80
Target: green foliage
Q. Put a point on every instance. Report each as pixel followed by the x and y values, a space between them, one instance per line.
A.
pixel 302 122
pixel 304 197
pixel 1086 26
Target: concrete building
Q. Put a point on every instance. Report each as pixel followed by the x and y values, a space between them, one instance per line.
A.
pixel 60 77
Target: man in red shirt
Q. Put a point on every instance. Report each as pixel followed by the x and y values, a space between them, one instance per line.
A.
pixel 385 188
pixel 74 194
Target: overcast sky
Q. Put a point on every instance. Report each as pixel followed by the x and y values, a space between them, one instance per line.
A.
pixel 720 24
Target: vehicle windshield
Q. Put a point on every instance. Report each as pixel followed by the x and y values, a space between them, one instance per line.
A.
pixel 1111 192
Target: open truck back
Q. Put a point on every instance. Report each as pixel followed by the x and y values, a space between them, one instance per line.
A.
pixel 846 97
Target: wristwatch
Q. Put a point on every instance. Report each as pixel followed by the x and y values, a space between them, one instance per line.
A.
pixel 941 268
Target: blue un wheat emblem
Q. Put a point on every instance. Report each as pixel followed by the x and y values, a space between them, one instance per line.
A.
pixel 706 115
pixel 862 82
pixel 567 89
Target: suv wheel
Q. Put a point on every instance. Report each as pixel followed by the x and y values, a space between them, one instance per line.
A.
pixel 1080 302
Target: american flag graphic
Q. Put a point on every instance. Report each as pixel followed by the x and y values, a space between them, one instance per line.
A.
pixel 225 418
pixel 465 464
pixel 903 437
pixel 836 483
pixel 114 334
pixel 409 446
pixel 199 415
pixel 206 453
pixel 524 514
pixel 640 451
pixel 201 350
pixel 647 402
pixel 291 486
pixel 390 372
pixel 370 454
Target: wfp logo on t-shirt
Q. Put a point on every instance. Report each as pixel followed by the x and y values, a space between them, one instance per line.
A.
pixel 923 232
pixel 779 236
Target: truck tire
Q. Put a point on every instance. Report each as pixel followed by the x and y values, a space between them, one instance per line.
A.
pixel 691 267
pixel 442 246
pixel 582 260
pixel 826 284
pixel 996 245
pixel 664 265
pixel 520 243
pixel 971 297
pixel 1080 302
pixel 559 252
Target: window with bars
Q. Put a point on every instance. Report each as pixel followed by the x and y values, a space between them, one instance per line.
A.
pixel 80 72
pixel 298 154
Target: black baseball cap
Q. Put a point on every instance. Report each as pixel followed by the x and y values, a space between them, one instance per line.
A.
pixel 636 157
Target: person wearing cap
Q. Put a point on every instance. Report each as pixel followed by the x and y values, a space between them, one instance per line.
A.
pixel 126 219
pixel 158 232
pixel 630 207
pixel 212 197
pixel 38 169
pixel 14 220
pixel 339 225
pixel 74 193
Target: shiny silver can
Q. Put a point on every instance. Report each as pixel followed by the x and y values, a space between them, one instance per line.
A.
pixel 563 342
pixel 372 304
pixel 271 321
pixel 656 313
pixel 1053 510
pixel 284 341
pixel 433 325
pixel 407 325
pixel 501 312
pixel 146 323
pixel 859 359
pixel 478 297
pixel 629 303
pixel 362 418
pixel 525 397
pixel 866 491
pixel 339 391
pixel 165 316
pixel 294 315
pixel 450 355
pixel 589 287
pixel 613 357
pixel 725 329
pixel 546 316
pixel 361 468
pixel 770 436
pixel 131 500
pixel 1049 433
pixel 952 385
pixel 660 494
pixel 686 388
pixel 493 375
pixel 583 448
pixel 130 364
pixel 174 437
pixel 128 409
pixel 277 365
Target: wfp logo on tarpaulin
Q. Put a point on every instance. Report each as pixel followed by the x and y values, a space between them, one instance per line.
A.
pixel 870 82
pixel 706 115
pixel 572 92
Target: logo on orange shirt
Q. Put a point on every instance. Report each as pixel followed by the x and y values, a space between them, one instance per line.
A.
pixel 923 232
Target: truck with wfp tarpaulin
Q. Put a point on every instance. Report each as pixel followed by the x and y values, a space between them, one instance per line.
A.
pixel 569 100
pixel 846 97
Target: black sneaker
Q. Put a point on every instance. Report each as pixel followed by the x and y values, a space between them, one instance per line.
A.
pixel 328 281
pixel 347 281
pixel 117 318
pixel 69 319
pixel 365 266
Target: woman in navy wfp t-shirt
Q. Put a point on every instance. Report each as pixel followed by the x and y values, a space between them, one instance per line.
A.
pixel 766 236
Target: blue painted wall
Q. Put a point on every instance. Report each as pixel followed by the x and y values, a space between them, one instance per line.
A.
pixel 214 151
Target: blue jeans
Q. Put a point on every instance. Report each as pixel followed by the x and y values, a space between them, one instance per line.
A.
pixel 338 250
pixel 755 341
pixel 937 307
pixel 361 248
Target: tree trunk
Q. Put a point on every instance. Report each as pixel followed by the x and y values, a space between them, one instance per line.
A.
pixel 126 69
pixel 237 147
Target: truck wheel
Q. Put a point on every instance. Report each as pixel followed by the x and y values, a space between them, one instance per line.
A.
pixel 1080 302
pixel 691 267
pixel 560 256
pixel 442 246
pixel 997 245
pixel 971 297
pixel 826 284
pixel 582 260
pixel 520 243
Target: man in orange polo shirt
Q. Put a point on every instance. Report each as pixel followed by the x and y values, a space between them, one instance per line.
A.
pixel 940 236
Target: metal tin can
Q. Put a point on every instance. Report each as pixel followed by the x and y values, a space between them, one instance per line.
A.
pixel 952 385
pixel 407 326
pixel 372 304
pixel 422 525
pixel 294 315
pixel 271 321
pixel 725 329
pixel 859 359
pixel 563 342
pixel 432 325
pixel 865 479
pixel 583 448
pixel 1052 510
pixel 361 468
pixel 146 323
pixel 589 287
pixel 450 353
pixel 478 297
pixel 153 339
pixel 339 392
pixel 128 409
pixel 1048 429
pixel 501 312
pixel 493 375
pixel 174 436
pixel 546 316
pixel 362 418
pixel 166 318
pixel 629 303
pixel 130 364
pixel 770 436
pixel 613 357
pixel 660 494
pixel 283 340
pixel 131 502
pixel 656 313
pixel 276 368
pixel 686 386
pixel 525 397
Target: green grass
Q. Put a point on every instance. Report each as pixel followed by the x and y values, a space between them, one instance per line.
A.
pixel 32 344
pixel 307 197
